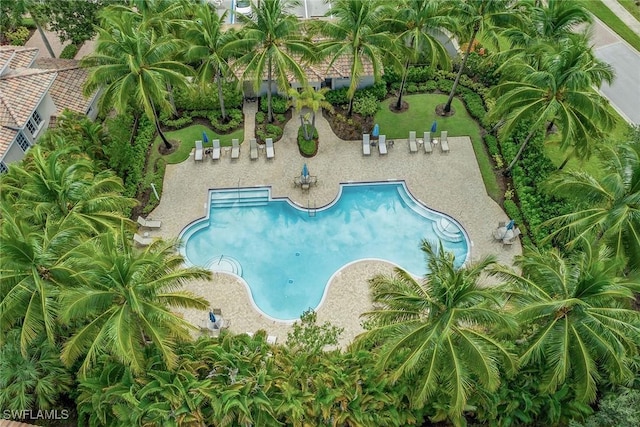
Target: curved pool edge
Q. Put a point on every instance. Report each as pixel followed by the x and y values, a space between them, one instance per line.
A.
pixel 202 222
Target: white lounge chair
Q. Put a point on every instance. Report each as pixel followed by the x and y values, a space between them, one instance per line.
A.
pixel 366 145
pixel 270 150
pixel 253 145
pixel 413 147
pixel 198 156
pixel 382 144
pixel 428 148
pixel 142 241
pixel 272 339
pixel 235 148
pixel 444 144
pixel 215 152
pixel 149 223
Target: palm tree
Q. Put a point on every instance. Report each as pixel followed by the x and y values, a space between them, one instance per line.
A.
pixel 33 381
pixel 312 99
pixel 34 267
pixel 474 16
pixel 357 33
pixel 58 186
pixel 207 42
pixel 559 88
pixel 125 301
pixel 441 328
pixel 417 25
pixel 608 205
pixel 135 68
pixel 578 311
pixel 270 43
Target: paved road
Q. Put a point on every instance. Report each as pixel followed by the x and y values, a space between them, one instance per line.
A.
pixel 624 92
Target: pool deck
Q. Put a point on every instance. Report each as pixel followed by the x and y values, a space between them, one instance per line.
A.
pixel 447 182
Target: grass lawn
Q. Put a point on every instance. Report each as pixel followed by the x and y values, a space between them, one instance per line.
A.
pixel 187 137
pixel 421 114
pixel 592 166
pixel 612 21
pixel 632 7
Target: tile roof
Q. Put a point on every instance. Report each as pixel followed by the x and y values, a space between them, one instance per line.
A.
pixel 17 57
pixel 66 91
pixel 22 91
pixel 6 137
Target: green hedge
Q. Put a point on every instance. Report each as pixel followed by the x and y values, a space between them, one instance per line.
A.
pixel 307 148
pixel 198 98
pixel 280 104
pixel 69 51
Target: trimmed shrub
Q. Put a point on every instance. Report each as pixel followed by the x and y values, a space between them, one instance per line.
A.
pixel 261 117
pixel 18 37
pixel 378 91
pixel 367 106
pixel 412 88
pixel 178 123
pixel 420 74
pixel 233 115
pixel 337 96
pixel 308 148
pixel 280 104
pixel 492 144
pixel 271 131
pixel 69 51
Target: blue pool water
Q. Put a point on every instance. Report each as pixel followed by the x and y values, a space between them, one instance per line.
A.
pixel 287 254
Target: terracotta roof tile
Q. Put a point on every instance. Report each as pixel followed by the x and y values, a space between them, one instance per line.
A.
pixel 22 92
pixel 66 90
pixel 19 57
pixel 6 136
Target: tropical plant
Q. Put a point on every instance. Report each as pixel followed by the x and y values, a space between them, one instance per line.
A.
pixel 270 43
pixel 312 99
pixel 608 206
pixel 441 332
pixel 135 68
pixel 559 88
pixel 33 381
pixel 417 24
pixel 207 42
pixel 62 185
pixel 475 16
pixel 124 301
pixel 576 309
pixel 34 268
pixel 357 33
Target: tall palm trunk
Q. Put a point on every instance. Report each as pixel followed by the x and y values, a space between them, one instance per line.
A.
pixel 164 139
pixel 519 153
pixel 45 40
pixel 269 107
pixel 566 160
pixel 447 106
pixel 220 95
pixel 405 75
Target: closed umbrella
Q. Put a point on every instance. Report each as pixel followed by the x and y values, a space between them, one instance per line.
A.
pixel 305 171
pixel 511 224
pixel 204 137
pixel 376 131
pixel 434 126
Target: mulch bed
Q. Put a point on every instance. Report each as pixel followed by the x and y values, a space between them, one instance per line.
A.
pixel 350 129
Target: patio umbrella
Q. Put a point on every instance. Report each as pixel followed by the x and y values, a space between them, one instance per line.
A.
pixel 511 224
pixel 376 131
pixel 204 137
pixel 434 126
pixel 212 317
pixel 305 171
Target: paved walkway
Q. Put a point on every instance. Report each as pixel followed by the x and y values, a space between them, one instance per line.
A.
pixel 449 183
pixel 624 15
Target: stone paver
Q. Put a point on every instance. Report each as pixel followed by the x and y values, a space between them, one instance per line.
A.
pixel 449 183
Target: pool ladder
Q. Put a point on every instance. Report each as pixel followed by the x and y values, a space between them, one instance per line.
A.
pixel 311 210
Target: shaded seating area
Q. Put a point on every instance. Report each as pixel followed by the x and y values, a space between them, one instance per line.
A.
pixel 508 233
pixel 215 151
pixel 149 223
pixel 235 148
pixel 215 323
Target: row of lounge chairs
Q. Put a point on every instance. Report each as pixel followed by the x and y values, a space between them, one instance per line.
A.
pixel 413 143
pixel 235 149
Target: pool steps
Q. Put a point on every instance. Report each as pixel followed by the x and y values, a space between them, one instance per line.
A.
pixel 447 230
pixel 226 264
pixel 241 197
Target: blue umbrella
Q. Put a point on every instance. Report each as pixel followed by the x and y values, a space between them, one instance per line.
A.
pixel 511 224
pixel 212 317
pixel 434 126
pixel 204 137
pixel 305 171
pixel 376 131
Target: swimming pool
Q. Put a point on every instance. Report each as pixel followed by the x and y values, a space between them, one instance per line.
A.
pixel 286 254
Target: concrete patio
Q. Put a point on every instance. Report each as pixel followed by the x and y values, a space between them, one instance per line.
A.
pixel 450 183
